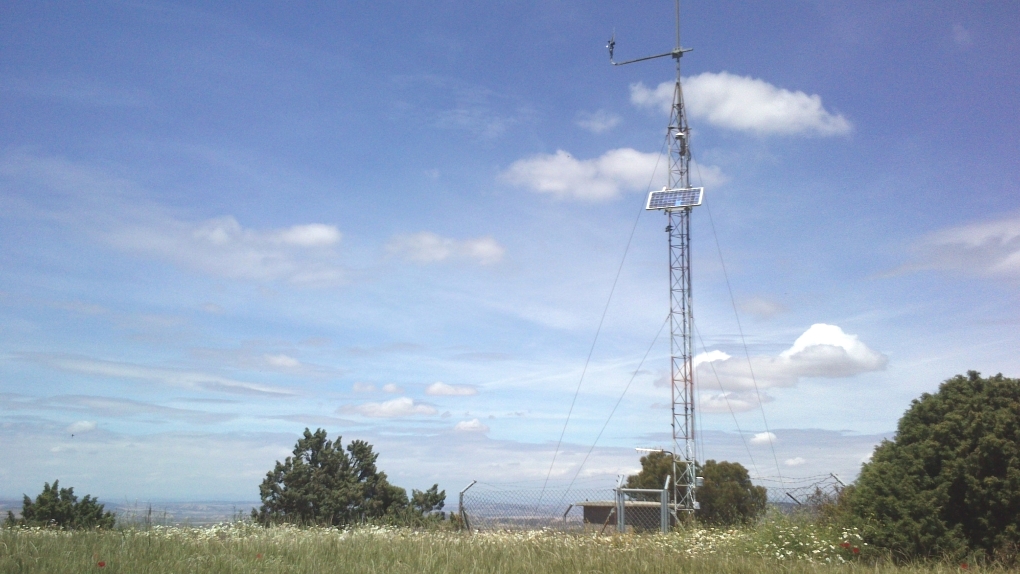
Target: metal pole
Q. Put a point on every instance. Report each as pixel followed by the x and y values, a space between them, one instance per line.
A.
pixel 664 511
pixel 460 506
pixel 621 521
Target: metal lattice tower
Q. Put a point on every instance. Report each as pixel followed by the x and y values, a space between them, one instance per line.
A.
pixel 677 200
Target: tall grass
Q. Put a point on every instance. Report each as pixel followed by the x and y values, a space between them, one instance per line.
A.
pixel 241 548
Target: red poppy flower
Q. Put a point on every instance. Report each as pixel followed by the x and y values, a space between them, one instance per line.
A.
pixel 101 564
pixel 857 550
pixel 964 565
pixel 259 556
pixel 845 545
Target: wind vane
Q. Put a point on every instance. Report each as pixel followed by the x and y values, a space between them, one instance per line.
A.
pixel 677 200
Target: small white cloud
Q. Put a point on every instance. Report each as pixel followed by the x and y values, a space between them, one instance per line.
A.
pixel 664 380
pixel 399 407
pixel 989 248
pixel 473 425
pixel 302 254
pixel 797 461
pixel 744 103
pixel 392 389
pixel 310 235
pixel 732 401
pixel 599 179
pixel 81 427
pixel 709 357
pixel 764 438
pixel 282 361
pixel 427 247
pixel 761 307
pixel 597 122
pixel 363 388
pixel 445 390
pixel 961 36
pixel 479 120
pixel 708 175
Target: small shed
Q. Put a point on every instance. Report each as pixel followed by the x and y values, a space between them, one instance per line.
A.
pixel 638 514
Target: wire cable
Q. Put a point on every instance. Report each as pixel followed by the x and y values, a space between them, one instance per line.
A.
pixel 740 329
pixel 726 399
pixel 618 401
pixel 598 330
pixel 747 353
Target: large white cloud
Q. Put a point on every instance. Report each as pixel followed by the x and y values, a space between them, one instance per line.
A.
pixel 821 351
pixel 990 248
pixel 603 178
pixel 744 103
pixel 606 177
pixel 427 247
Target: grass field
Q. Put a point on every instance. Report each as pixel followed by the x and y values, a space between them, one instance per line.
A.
pixel 776 546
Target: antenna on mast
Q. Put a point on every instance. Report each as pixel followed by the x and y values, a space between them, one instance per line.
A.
pixel 677 200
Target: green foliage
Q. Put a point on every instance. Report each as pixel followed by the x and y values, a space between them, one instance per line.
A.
pixel 727 496
pixel 948 484
pixel 655 467
pixel 428 502
pixel 323 484
pixel 60 507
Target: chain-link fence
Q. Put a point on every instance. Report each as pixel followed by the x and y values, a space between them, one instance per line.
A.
pixel 801 494
pixel 484 506
pixel 506 507
pixel 501 507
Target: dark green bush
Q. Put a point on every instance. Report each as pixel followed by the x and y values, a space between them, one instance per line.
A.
pixel 323 484
pixel 60 507
pixel 948 484
pixel 727 496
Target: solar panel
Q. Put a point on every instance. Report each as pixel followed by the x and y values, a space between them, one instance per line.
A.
pixel 673 198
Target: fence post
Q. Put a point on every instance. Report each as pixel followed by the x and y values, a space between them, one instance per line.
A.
pixel 621 520
pixel 664 509
pixel 460 506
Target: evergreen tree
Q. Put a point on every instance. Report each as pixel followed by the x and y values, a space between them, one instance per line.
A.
pixel 324 484
pixel 949 481
pixel 727 496
pixel 60 507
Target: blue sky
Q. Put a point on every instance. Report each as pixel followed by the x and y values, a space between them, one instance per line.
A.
pixel 220 224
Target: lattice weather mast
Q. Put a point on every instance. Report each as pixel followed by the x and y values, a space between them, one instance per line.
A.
pixel 677 200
